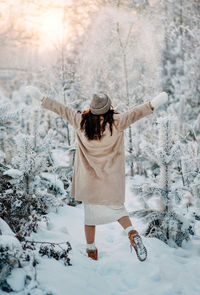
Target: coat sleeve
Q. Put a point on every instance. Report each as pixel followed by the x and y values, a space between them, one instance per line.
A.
pixel 67 113
pixel 134 114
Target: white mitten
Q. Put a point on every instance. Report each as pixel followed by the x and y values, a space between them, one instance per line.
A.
pixel 159 99
pixel 35 93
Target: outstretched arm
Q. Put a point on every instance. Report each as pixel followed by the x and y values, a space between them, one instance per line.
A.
pixel 67 113
pixel 129 117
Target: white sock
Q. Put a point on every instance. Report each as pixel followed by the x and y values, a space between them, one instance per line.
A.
pixel 91 246
pixel 127 230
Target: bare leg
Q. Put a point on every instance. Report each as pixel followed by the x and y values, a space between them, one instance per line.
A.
pixel 125 221
pixel 90 233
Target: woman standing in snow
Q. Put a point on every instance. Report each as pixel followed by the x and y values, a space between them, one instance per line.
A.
pixel 99 170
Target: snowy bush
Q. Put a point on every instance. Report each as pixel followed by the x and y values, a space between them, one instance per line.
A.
pixel 18 261
pixel 18 266
pixel 23 211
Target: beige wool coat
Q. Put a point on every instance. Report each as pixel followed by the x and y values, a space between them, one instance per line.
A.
pixel 99 169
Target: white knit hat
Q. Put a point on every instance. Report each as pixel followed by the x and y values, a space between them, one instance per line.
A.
pixel 100 104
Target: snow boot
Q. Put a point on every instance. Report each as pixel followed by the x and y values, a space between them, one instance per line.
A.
pixel 92 254
pixel 136 243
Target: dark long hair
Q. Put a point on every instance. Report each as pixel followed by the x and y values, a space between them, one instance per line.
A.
pixel 90 123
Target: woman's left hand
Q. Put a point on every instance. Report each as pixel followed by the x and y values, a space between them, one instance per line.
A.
pixel 159 100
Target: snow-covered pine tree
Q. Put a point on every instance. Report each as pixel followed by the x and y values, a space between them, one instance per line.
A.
pixel 30 162
pixel 180 60
pixel 167 224
pixel 27 199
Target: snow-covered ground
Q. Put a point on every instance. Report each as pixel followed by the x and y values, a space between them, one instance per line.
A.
pixel 167 271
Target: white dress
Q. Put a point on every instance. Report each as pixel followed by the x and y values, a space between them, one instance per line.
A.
pixel 102 214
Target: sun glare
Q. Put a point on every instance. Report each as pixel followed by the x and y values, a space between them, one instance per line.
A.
pixel 56 26
pixel 53 29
